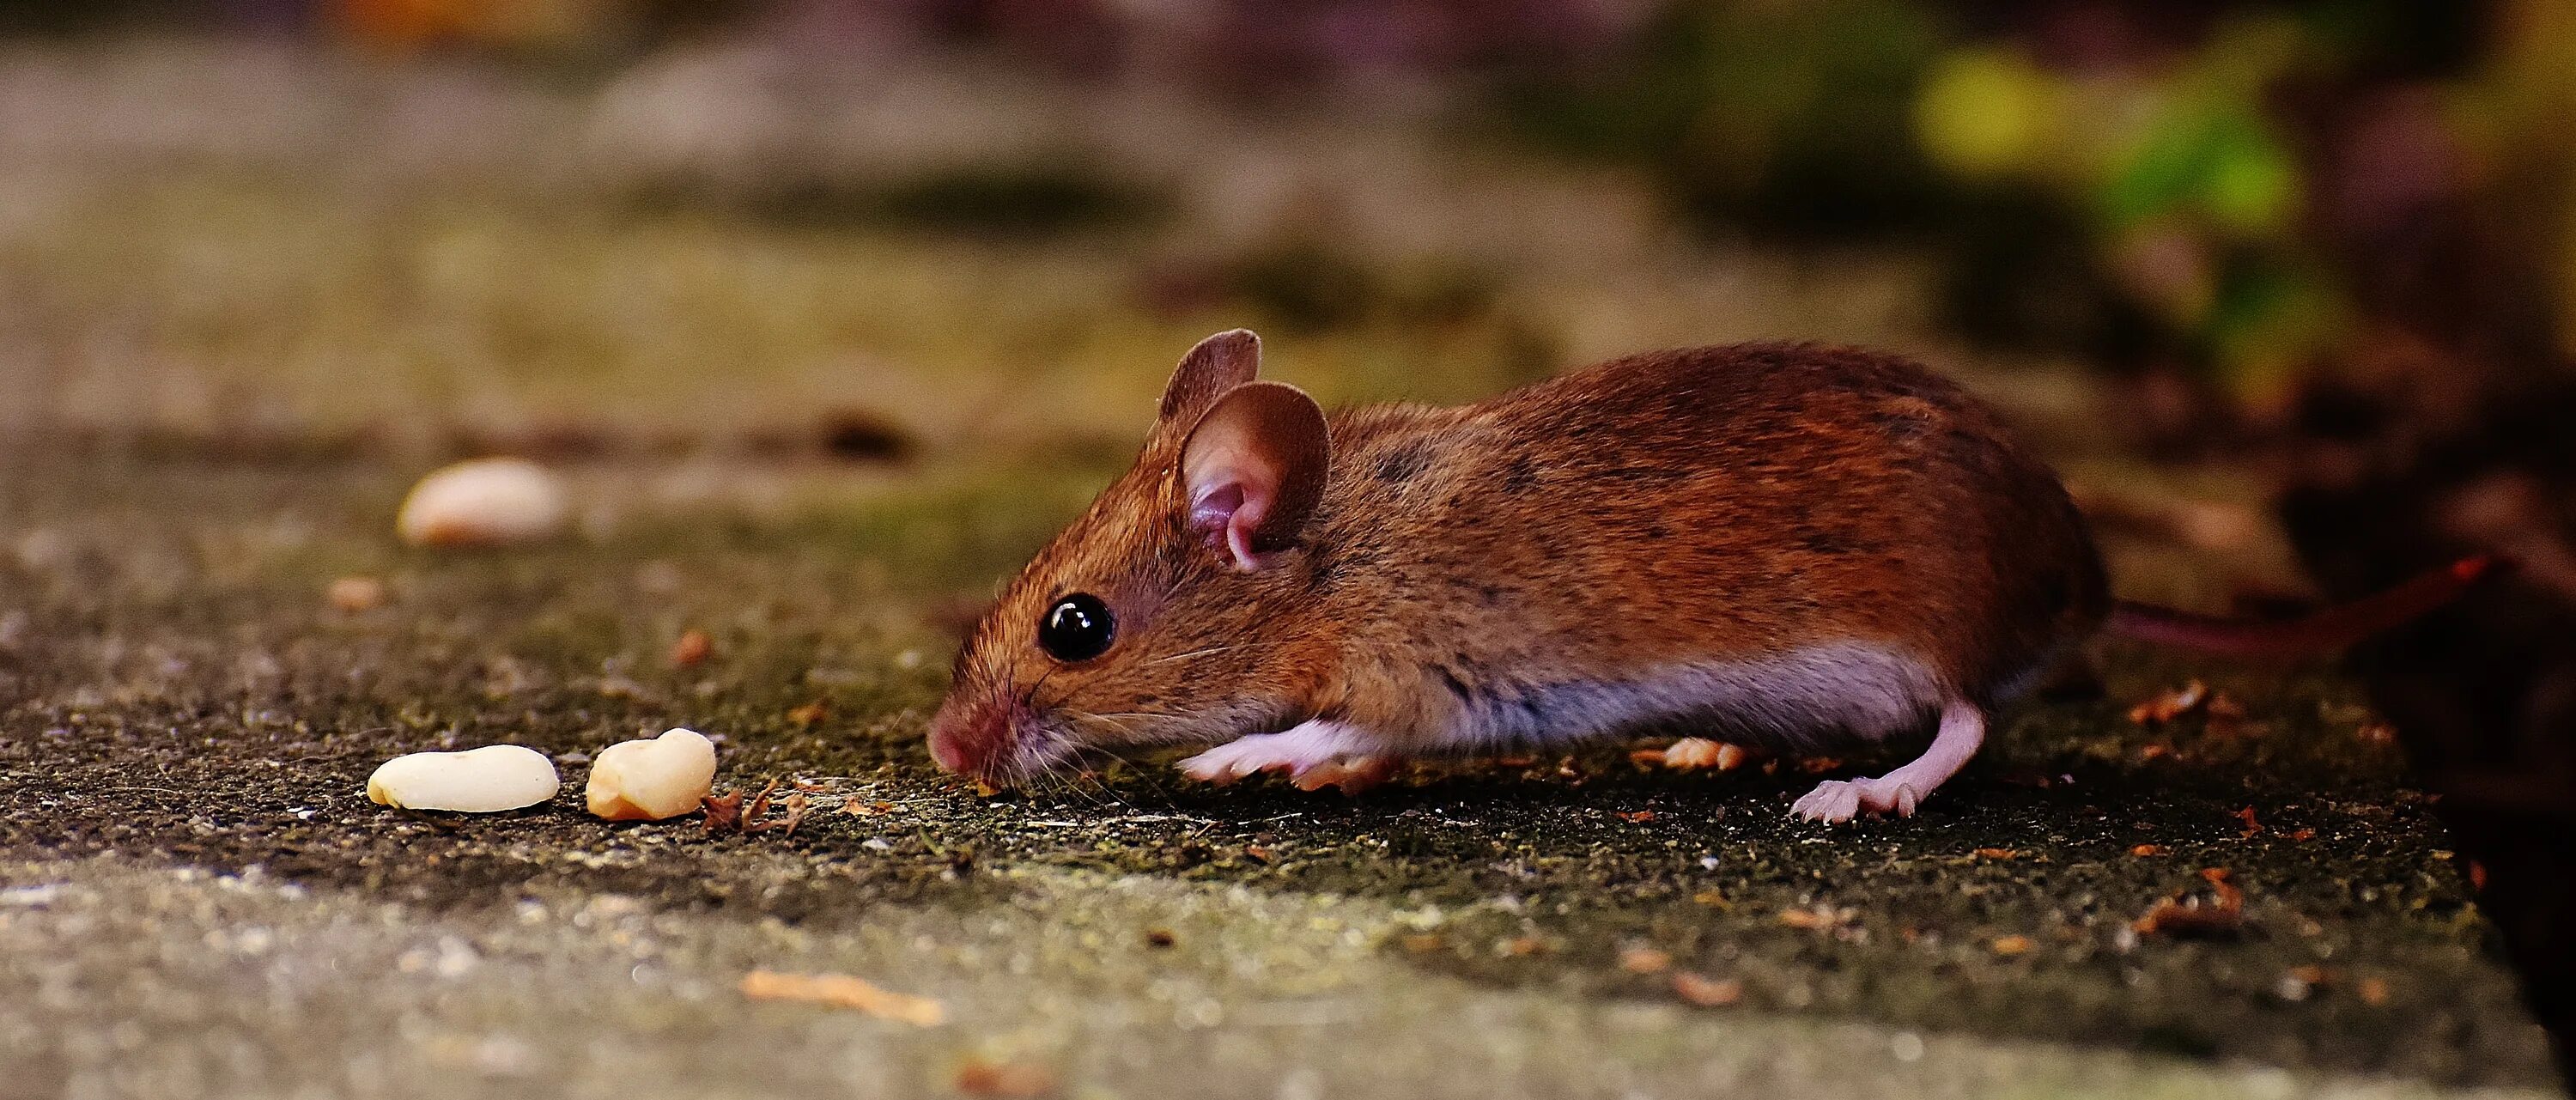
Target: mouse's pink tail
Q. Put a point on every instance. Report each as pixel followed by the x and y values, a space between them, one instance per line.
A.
pixel 2324 631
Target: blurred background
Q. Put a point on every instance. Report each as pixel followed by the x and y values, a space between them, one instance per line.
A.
pixel 415 222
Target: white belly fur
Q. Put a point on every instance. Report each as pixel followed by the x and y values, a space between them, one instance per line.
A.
pixel 1807 700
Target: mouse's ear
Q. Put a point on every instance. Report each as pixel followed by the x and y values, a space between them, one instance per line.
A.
pixel 1252 470
pixel 1218 364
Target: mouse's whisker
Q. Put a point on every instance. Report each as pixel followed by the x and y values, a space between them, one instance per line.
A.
pixel 1072 779
pixel 1214 649
pixel 1109 721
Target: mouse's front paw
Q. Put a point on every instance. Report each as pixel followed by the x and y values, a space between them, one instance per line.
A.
pixel 1315 754
pixel 1234 760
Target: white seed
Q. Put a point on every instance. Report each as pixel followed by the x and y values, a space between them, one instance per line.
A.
pixel 476 781
pixel 649 780
pixel 485 502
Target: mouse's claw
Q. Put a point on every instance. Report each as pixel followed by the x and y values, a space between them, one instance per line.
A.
pixel 1835 801
pixel 1352 776
pixel 1832 802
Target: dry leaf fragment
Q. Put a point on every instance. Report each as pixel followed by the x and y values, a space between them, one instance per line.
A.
pixel 1707 992
pixel 1645 960
pixel 844 991
pixel 796 805
pixel 2170 704
pixel 1021 1082
pixel 2252 826
pixel 1819 917
pixel 724 811
pixel 1998 853
pixel 692 649
pixel 2178 917
pixel 355 594
pixel 731 813
pixel 1691 752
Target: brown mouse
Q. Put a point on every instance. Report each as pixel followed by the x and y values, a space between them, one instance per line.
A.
pixel 1792 547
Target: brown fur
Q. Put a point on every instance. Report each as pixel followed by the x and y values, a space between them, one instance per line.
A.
pixel 1727 503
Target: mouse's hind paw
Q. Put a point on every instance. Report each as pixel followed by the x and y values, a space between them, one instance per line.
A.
pixel 1963 728
pixel 1838 800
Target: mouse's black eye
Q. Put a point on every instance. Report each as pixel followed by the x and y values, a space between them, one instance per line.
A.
pixel 1078 628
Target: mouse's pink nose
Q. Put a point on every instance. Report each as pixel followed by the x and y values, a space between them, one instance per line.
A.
pixel 967 736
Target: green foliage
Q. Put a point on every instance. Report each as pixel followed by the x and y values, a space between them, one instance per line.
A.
pixel 1769 117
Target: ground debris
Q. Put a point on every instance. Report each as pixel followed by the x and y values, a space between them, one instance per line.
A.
pixel 729 813
pixel 2186 917
pixel 1645 960
pixel 723 812
pixel 2252 826
pixel 692 649
pixel 1705 991
pixel 1007 1079
pixel 1820 918
pixel 844 991
pixel 1693 752
pixel 356 594
pixel 2170 704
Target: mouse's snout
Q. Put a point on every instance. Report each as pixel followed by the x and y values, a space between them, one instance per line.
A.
pixel 969 736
